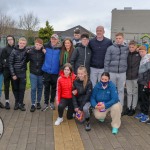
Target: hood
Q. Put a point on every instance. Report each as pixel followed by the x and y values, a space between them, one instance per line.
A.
pixel 61 73
pixel 122 45
pixel 80 45
pixel 17 48
pixel 7 41
pixel 48 45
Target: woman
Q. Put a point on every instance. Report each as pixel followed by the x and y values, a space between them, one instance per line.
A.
pixel 64 93
pixel 104 99
pixel 66 51
pixel 81 95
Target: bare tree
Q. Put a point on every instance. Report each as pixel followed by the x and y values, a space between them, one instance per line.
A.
pixel 7 24
pixel 29 23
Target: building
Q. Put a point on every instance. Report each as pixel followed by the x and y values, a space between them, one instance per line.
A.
pixel 133 23
pixel 70 32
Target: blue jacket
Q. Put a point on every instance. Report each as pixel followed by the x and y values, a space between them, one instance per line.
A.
pixel 98 49
pixel 52 59
pixel 109 95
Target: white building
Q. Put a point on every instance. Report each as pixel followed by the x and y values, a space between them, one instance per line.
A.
pixel 133 23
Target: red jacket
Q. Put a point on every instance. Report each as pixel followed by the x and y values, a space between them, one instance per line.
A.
pixel 64 86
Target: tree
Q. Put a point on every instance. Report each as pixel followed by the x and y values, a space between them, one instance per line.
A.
pixel 7 24
pixel 29 23
pixel 45 33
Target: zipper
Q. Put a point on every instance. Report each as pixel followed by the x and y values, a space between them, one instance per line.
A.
pixel 119 58
pixel 37 61
pixel 85 56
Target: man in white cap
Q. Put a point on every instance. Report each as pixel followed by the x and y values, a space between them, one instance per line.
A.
pixel 51 71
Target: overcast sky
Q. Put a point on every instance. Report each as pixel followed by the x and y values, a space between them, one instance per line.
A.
pixel 64 14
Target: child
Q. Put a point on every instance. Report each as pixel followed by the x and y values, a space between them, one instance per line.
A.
pixel 36 58
pixel 64 93
pixel 17 66
pixel 143 79
pixel 82 54
pixel 81 95
pixel 76 41
pixel 133 62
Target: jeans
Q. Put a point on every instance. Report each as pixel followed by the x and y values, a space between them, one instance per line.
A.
pixel 19 86
pixel 36 88
pixel 1 83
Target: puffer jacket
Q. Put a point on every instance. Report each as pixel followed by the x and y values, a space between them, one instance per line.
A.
pixel 83 94
pixel 1 67
pixel 81 56
pixel 64 86
pixel 52 59
pixel 116 58
pixel 18 61
pixel 36 58
pixel 133 62
pixel 109 95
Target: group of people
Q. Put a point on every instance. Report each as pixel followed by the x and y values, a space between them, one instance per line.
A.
pixel 80 74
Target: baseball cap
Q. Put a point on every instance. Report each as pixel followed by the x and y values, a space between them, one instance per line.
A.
pixel 55 36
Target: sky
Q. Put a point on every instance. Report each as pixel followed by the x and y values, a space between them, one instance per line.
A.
pixel 65 14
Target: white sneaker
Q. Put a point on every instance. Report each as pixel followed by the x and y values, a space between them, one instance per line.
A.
pixel 58 121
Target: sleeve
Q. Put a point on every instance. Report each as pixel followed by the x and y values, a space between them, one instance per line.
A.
pixel 11 63
pixel 107 59
pixel 58 91
pixel 114 97
pixel 93 97
pixel 74 97
pixel 74 58
pixel 86 96
pixel 3 57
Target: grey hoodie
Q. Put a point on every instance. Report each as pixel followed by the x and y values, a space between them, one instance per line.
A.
pixel 116 58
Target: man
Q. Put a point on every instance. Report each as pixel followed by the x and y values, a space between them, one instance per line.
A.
pixel 51 70
pixel 116 64
pixel 5 63
pixel 98 45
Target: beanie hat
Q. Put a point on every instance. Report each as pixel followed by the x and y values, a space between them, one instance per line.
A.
pixel 40 41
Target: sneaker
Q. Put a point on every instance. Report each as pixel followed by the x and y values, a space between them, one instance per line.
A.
pixel 139 115
pixel 1 105
pixel 127 111
pixel 45 107
pixel 58 121
pixel 7 105
pixel 32 108
pixel 87 126
pixel 144 118
pixel 52 106
pixel 22 108
pixel 16 107
pixel 38 106
pixel 132 112
pixel 101 120
pixel 148 122
pixel 114 131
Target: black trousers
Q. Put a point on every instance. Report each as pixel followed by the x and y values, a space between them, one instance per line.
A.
pixel 7 80
pixel 143 97
pixel 50 83
pixel 63 103
pixel 19 86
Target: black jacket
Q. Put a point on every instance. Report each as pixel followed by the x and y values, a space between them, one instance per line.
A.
pixel 5 56
pixel 1 67
pixel 83 95
pixel 133 62
pixel 81 56
pixel 99 49
pixel 36 58
pixel 18 61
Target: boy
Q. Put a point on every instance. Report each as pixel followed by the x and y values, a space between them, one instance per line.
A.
pixel 51 68
pixel 17 66
pixel 10 40
pixel 82 54
pixel 76 41
pixel 133 62
pixel 116 64
pixel 143 78
pixel 36 58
